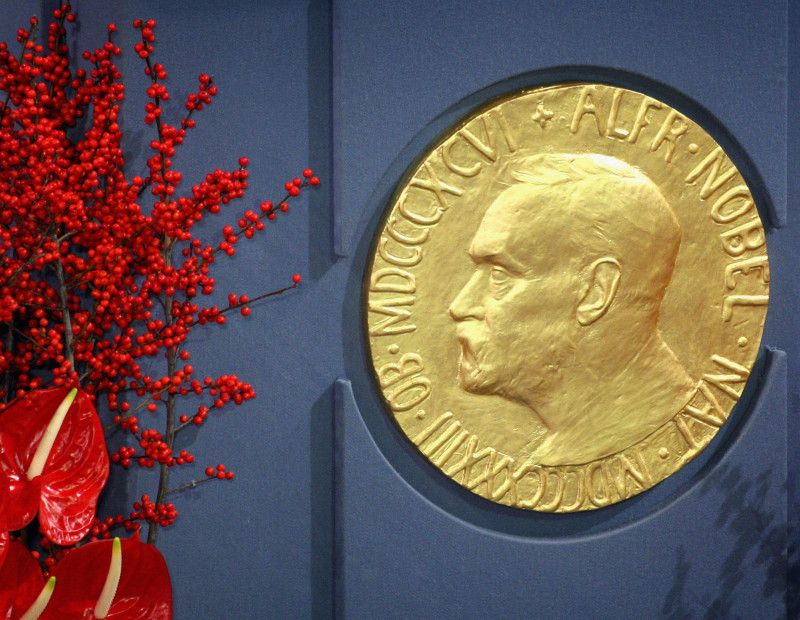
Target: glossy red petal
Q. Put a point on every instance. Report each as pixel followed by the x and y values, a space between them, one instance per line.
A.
pixel 144 589
pixel 22 424
pixel 21 582
pixel 3 527
pixel 74 474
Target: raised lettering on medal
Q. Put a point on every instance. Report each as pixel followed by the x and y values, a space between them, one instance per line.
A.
pixel 565 298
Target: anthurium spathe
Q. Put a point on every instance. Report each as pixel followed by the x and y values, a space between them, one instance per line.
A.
pixel 3 529
pixel 115 580
pixel 54 461
pixel 3 547
pixel 21 582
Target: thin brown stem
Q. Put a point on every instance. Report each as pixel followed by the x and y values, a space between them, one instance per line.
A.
pixel 69 343
pixel 280 291
pixel 190 485
pixel 7 374
pixel 31 37
pixel 169 434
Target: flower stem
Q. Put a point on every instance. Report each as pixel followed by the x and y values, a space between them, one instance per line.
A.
pixel 69 343
pixel 190 485
pixel 169 435
pixel 7 375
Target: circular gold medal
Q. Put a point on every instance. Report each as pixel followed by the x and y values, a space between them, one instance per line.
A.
pixel 567 296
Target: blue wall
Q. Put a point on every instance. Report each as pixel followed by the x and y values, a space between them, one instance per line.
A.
pixel 354 90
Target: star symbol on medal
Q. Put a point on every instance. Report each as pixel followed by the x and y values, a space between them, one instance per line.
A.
pixel 542 115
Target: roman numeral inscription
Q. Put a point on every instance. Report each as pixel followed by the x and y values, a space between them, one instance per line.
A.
pixel 479 137
pixel 569 488
pixel 436 310
pixel 396 320
pixel 502 479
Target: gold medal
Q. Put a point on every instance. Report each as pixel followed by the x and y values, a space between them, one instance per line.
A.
pixel 566 297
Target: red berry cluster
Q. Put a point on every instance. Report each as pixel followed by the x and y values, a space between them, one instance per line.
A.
pixel 219 473
pixel 100 270
pixel 54 554
pixel 147 510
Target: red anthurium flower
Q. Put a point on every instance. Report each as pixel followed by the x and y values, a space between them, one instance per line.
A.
pixel 21 582
pixel 112 580
pixel 3 547
pixel 3 528
pixel 53 458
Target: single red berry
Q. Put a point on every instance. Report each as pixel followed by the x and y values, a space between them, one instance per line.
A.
pixel 245 311
pixel 210 471
pixel 243 161
pixel 313 181
pixel 296 278
pixel 308 173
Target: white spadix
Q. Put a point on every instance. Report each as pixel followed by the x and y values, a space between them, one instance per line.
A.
pixel 50 434
pixel 41 601
pixel 112 581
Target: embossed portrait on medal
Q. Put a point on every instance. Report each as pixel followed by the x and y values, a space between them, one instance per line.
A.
pixel 561 313
pixel 566 297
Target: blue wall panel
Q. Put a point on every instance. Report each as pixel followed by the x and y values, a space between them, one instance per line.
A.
pixel 398 67
pixel 355 89
pixel 714 549
pixel 410 544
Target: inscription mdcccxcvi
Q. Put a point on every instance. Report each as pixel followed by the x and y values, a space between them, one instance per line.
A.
pixel 565 297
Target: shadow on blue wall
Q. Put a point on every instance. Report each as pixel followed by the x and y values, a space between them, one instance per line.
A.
pixel 760 540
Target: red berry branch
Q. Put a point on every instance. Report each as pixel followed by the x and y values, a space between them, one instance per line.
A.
pixel 100 271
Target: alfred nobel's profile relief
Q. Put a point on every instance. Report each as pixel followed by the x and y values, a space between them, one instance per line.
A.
pixel 572 261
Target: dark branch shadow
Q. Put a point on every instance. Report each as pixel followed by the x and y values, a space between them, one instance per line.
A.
pixel 759 541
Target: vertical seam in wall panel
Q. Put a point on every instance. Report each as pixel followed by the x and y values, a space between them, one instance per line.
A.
pixel 341 241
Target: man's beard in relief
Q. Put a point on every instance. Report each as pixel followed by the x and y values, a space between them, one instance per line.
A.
pixel 484 370
pixel 481 370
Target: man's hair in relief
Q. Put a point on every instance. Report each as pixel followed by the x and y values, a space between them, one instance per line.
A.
pixel 601 206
